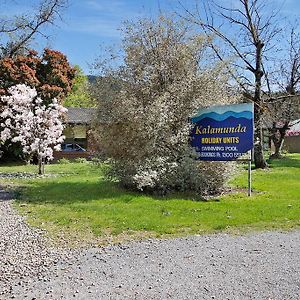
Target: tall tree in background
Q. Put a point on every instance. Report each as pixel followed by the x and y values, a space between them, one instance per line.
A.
pixel 18 31
pixel 79 95
pixel 51 74
pixel 247 30
pixel 290 66
pixel 286 106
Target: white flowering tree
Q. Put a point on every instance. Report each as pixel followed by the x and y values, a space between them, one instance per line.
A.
pixel 144 116
pixel 28 121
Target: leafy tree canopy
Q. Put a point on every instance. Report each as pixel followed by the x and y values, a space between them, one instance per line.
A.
pixel 79 95
pixel 51 74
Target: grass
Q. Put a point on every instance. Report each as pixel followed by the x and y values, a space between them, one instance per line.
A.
pixel 77 204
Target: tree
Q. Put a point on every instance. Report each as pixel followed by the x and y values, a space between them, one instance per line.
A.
pixel 79 95
pixel 16 33
pixel 28 121
pixel 247 31
pixel 285 106
pixel 143 126
pixel 51 74
pixel 290 67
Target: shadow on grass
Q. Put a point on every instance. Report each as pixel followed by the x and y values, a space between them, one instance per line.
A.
pixel 286 162
pixel 62 193
pixel 71 192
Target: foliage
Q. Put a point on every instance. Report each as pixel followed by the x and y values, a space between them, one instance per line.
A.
pixel 80 160
pixel 51 75
pixel 63 161
pixel 79 95
pixel 75 203
pixel 28 121
pixel 144 127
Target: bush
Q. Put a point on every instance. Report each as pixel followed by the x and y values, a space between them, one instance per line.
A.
pixel 80 160
pixel 63 161
pixel 159 176
pixel 144 123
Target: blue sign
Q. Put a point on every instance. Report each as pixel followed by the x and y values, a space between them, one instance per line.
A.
pixel 223 133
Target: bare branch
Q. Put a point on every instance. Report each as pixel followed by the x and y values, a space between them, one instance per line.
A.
pixel 26 27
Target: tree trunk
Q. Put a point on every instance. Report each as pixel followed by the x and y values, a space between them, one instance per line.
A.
pixel 41 166
pixel 259 159
pixel 278 148
pixel 277 137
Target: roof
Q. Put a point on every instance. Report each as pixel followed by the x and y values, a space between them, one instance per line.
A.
pixel 79 115
pixel 294 128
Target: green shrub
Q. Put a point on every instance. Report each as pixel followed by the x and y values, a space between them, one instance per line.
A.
pixel 63 161
pixel 80 160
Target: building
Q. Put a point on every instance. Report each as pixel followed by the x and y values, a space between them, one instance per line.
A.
pixel 77 126
pixel 292 139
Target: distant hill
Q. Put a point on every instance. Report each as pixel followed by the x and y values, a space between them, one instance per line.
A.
pixel 92 78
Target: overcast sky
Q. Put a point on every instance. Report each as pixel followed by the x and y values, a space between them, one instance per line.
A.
pixel 87 24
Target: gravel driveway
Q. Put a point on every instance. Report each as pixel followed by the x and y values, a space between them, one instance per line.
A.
pixel 255 266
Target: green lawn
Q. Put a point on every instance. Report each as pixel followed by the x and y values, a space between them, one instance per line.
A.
pixel 77 204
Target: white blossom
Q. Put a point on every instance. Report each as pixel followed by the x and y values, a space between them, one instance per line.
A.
pixel 144 125
pixel 37 127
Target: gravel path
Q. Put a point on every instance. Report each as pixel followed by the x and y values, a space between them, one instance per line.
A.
pixel 24 253
pixel 257 266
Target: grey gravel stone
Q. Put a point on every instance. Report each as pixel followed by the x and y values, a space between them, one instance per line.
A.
pixel 19 175
pixel 254 266
pixel 24 252
pixel 24 175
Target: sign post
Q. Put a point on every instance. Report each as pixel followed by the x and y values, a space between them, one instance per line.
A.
pixel 249 175
pixel 224 133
